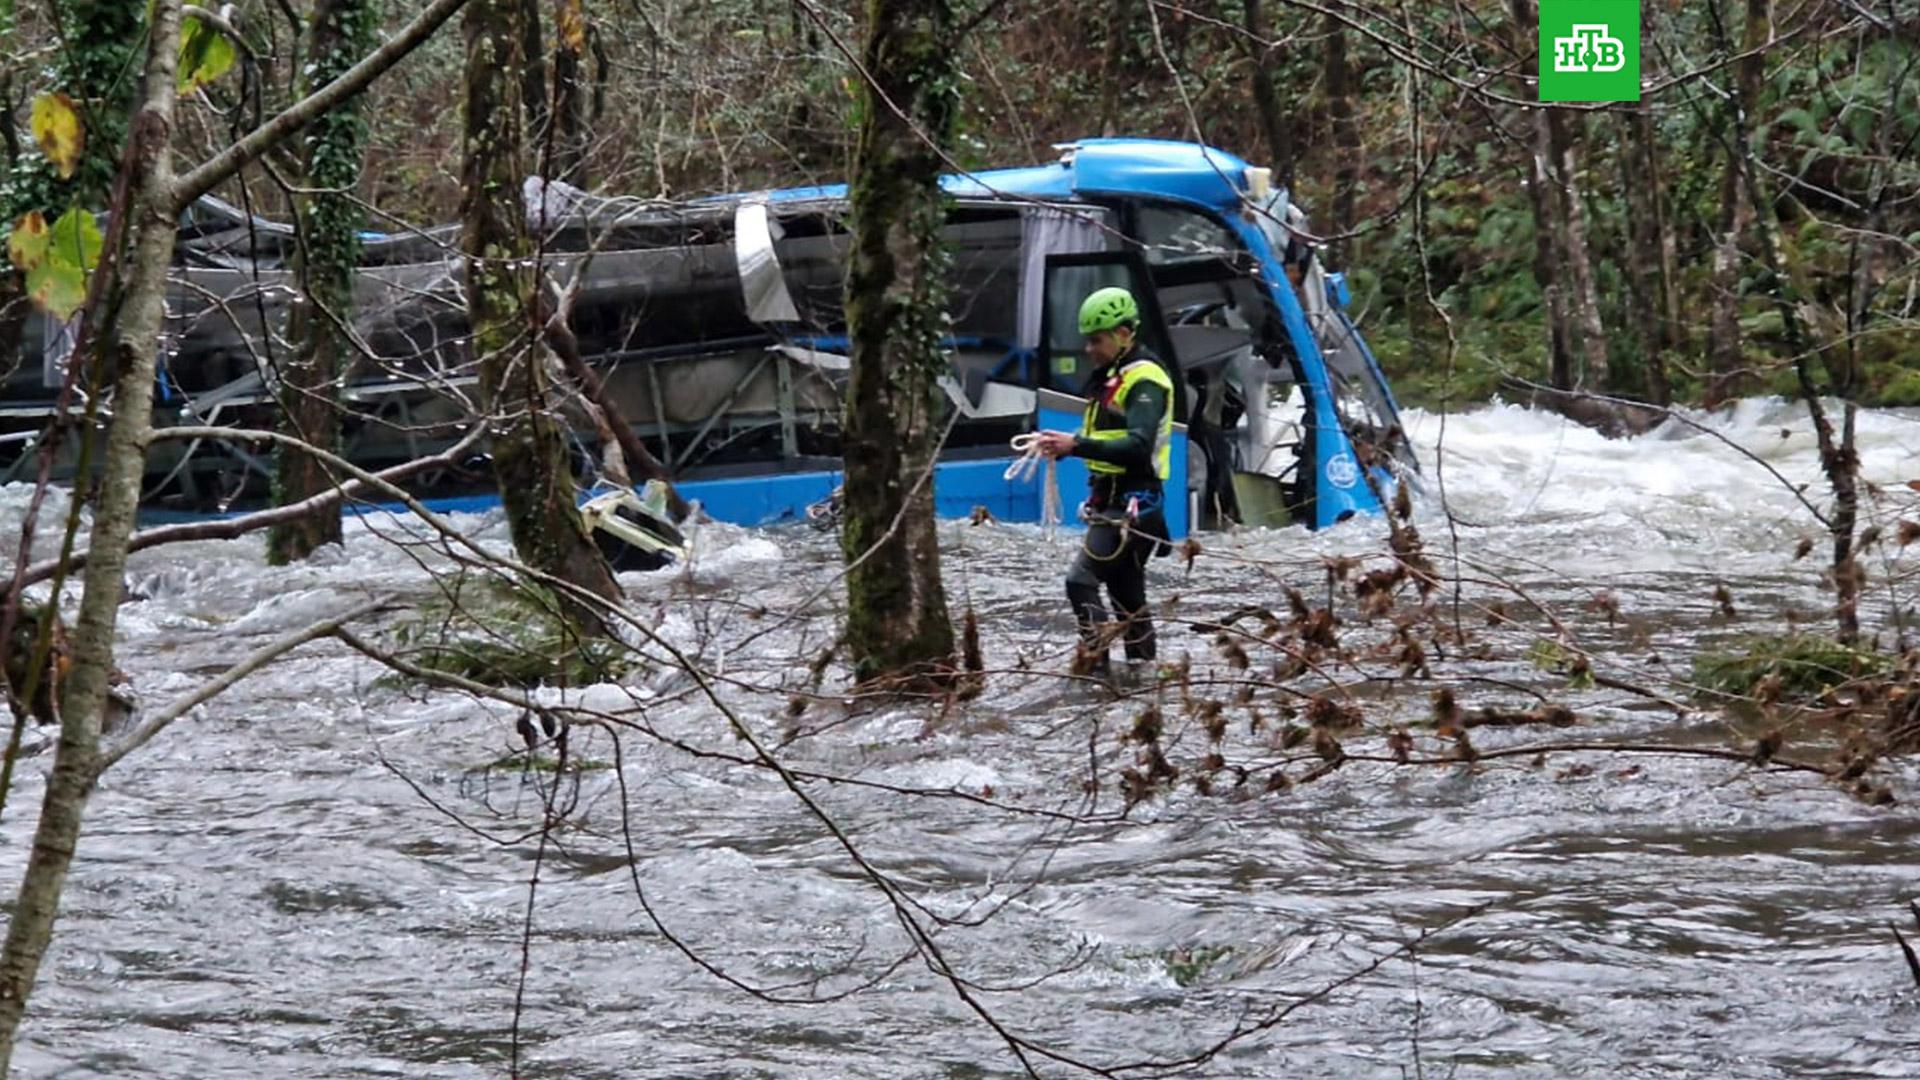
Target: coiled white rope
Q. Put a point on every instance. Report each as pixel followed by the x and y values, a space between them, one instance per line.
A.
pixel 1024 466
pixel 1023 469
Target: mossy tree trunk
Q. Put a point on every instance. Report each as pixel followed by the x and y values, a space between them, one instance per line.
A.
pixel 897 623
pixel 340 33
pixel 528 441
pixel 123 319
pixel 127 346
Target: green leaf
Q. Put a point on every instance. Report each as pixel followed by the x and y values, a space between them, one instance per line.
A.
pixel 28 239
pixel 58 288
pixel 76 239
pixel 1800 120
pixel 205 55
pixel 1546 654
pixel 56 127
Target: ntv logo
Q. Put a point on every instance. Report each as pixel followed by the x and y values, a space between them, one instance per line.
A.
pixel 1590 48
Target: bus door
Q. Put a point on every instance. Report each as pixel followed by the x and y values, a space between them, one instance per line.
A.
pixel 1064 371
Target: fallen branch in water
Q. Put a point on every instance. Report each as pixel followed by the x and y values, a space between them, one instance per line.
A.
pixel 1721 753
pixel 1913 961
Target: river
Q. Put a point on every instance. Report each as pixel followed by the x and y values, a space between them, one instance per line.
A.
pixel 325 872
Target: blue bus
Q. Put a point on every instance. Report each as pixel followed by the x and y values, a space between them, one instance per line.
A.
pixel 716 325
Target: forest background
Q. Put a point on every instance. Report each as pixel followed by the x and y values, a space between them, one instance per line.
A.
pixel 1607 246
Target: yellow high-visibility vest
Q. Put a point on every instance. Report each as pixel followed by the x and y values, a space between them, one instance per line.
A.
pixel 1106 416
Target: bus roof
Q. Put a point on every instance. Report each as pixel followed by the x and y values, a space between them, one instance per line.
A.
pixel 1154 168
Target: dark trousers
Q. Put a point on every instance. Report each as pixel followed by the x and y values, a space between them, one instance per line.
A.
pixel 1117 559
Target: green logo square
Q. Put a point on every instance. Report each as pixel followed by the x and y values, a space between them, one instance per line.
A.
pixel 1589 50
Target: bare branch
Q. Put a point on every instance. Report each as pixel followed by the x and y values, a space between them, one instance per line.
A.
pixel 253 662
pixel 212 172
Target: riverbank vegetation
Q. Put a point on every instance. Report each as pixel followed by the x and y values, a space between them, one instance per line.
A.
pixel 1408 136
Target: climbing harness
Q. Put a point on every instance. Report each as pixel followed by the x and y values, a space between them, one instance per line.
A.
pixel 1023 469
pixel 1140 504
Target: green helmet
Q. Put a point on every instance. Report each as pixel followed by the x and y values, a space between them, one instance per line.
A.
pixel 1107 308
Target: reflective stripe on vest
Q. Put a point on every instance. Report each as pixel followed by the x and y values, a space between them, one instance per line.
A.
pixel 1113 396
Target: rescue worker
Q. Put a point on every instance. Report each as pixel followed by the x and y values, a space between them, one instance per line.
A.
pixel 1126 438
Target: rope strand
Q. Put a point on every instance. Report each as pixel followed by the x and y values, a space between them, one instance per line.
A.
pixel 1025 467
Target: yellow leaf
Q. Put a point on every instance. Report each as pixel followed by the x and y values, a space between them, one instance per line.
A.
pixel 28 240
pixel 56 127
pixel 572 21
pixel 57 288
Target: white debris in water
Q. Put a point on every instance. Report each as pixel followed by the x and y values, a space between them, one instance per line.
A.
pixel 610 698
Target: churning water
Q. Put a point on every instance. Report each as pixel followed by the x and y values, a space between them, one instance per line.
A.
pixel 325 872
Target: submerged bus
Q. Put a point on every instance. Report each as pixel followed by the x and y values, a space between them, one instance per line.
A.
pixel 717 327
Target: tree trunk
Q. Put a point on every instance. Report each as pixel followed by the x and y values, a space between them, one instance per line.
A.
pixel 565 155
pixel 1641 266
pixel 529 447
pixel 1788 288
pixel 1650 260
pixel 1548 259
pixel 1273 117
pixel 1655 246
pixel 533 72
pixel 1346 137
pixel 1582 296
pixel 897 624
pixel 128 344
pixel 1544 196
pixel 1725 356
pixel 13 285
pixel 1111 75
pixel 340 34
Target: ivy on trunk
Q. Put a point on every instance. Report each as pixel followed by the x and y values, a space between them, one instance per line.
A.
pixel 897 623
pixel 341 32
pixel 528 436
